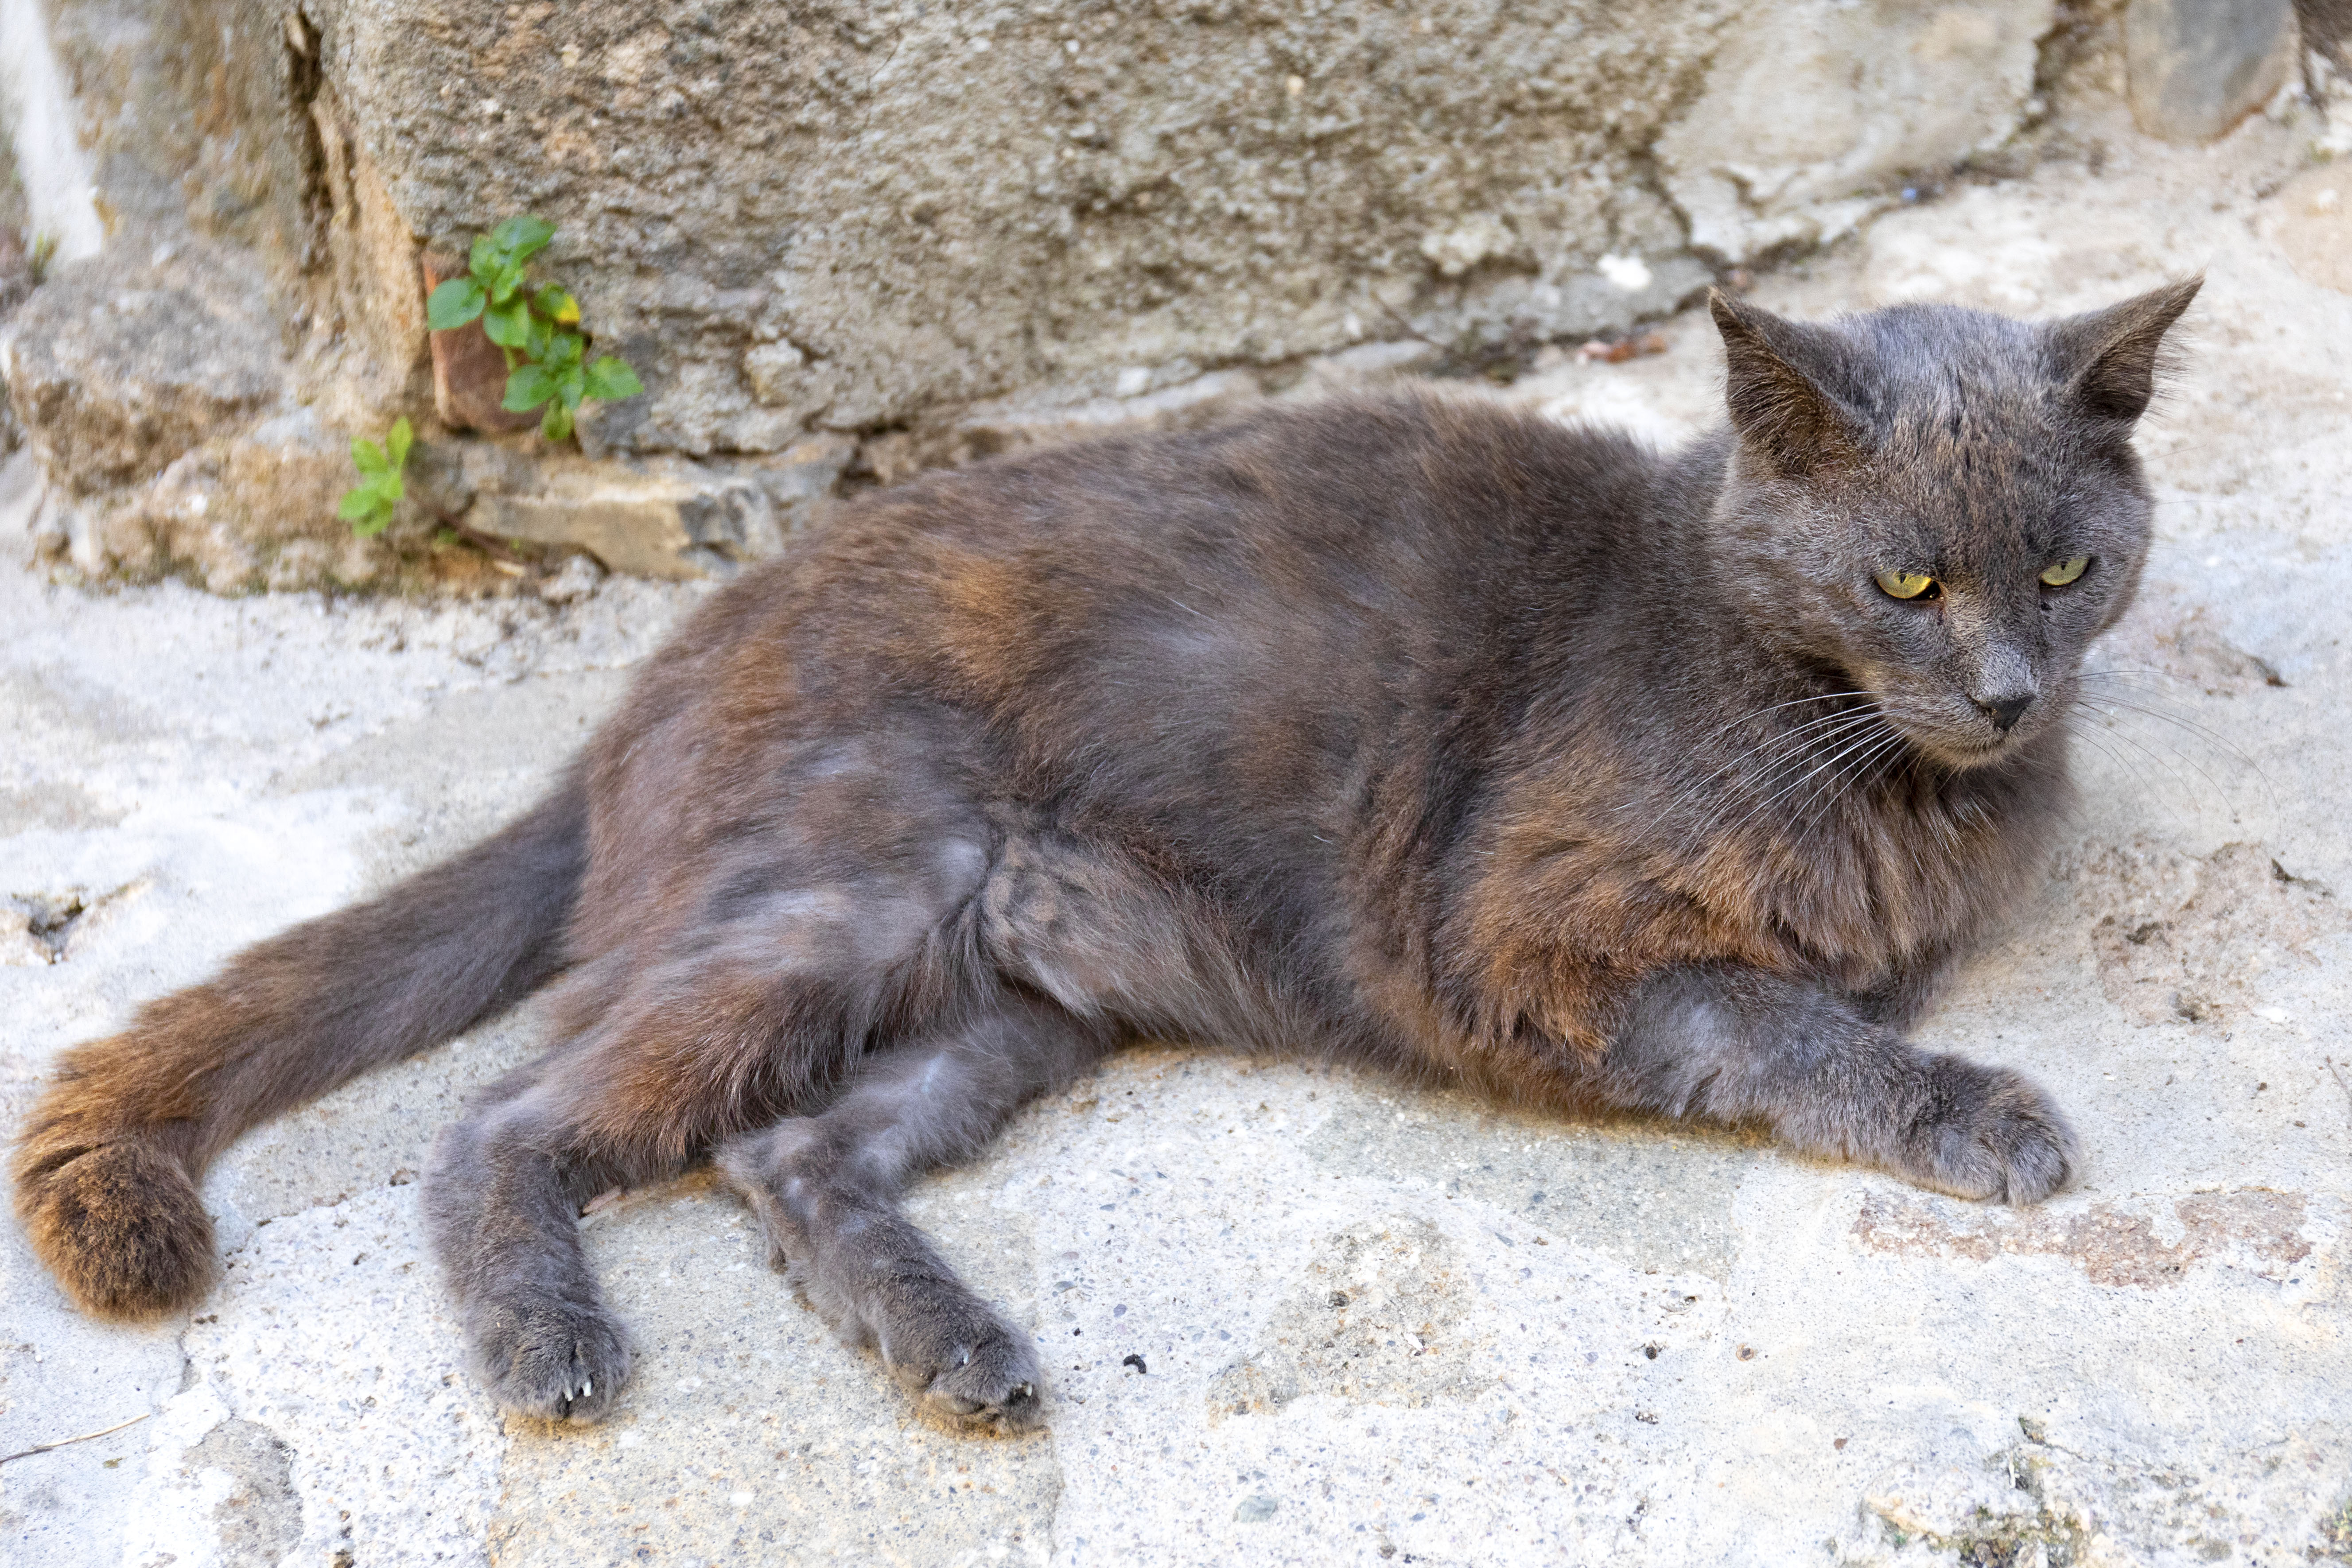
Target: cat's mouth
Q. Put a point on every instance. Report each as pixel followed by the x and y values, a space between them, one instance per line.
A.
pixel 1977 756
pixel 1964 744
pixel 1970 747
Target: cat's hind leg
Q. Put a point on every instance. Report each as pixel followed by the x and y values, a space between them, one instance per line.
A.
pixel 664 1055
pixel 669 1062
pixel 502 1195
pixel 826 1188
pixel 1737 1045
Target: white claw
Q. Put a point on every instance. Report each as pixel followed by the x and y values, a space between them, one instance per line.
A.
pixel 587 1388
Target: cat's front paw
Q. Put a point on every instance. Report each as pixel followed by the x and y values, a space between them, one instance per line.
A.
pixel 965 1363
pixel 1985 1132
pixel 557 1359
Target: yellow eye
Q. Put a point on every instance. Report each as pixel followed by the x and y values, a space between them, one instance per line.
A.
pixel 2064 571
pixel 1906 584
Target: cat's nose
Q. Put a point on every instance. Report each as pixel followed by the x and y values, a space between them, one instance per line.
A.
pixel 2004 708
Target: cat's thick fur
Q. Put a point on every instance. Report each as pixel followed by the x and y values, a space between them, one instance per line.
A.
pixel 1409 728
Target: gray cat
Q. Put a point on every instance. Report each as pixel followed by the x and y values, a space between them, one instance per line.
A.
pixel 1408 729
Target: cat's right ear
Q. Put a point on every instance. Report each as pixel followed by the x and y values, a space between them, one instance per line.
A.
pixel 1778 411
pixel 2113 358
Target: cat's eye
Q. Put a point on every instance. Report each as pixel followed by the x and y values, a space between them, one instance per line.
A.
pixel 2060 573
pixel 1908 585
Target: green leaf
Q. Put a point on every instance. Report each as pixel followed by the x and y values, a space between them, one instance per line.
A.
pixel 485 259
pixel 557 422
pixel 569 385
pixel 506 285
pixel 527 389
pixel 610 379
pixel 509 326
pixel 564 348
pixel 368 510
pixel 536 343
pixel 557 306
pixel 455 302
pixel 397 443
pixel 368 457
pixel 522 237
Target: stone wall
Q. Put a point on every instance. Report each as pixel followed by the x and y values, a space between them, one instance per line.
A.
pixel 842 241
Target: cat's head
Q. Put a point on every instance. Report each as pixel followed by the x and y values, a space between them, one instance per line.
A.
pixel 1941 506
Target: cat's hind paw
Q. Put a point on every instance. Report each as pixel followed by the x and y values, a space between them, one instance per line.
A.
pixel 996 1386
pixel 1987 1133
pixel 966 1365
pixel 556 1360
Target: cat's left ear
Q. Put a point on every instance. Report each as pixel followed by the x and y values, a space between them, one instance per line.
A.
pixel 2108 360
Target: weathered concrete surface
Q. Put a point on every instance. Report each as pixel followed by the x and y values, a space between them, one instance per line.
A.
pixel 1785 144
pixel 777 215
pixel 1615 1343
pixel 936 230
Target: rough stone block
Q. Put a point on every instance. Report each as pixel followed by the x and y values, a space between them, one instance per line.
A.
pixel 2196 67
pixel 251 509
pixel 775 217
pixel 115 370
pixel 665 516
pixel 1814 113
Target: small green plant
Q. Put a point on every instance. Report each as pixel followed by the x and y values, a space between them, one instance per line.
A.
pixel 546 352
pixel 369 505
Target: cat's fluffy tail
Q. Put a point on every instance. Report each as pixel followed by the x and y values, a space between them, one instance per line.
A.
pixel 105 1166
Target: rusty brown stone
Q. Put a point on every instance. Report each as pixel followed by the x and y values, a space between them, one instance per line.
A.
pixel 2254 1227
pixel 469 371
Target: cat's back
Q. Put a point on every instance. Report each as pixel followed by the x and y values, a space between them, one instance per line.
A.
pixel 1240 630
pixel 1409 518
pixel 1261 600
pixel 1445 476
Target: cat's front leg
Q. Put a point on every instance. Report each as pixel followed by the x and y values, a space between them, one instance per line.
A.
pixel 1730 1044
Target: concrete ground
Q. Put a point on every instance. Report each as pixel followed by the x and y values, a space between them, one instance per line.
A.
pixel 1296 1315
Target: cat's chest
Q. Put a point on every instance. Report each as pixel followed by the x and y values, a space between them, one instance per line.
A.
pixel 1872 886
pixel 1863 891
pixel 1845 900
